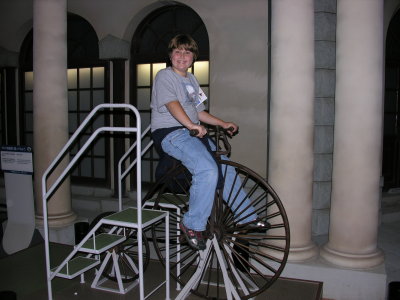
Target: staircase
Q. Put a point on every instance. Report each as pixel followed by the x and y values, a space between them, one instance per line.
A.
pixel 87 254
pixel 93 245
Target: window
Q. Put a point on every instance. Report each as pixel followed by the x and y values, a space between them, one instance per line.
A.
pixel 28 109
pixel 86 89
pixel 2 114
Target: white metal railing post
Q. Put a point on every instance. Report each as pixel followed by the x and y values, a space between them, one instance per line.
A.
pixel 46 193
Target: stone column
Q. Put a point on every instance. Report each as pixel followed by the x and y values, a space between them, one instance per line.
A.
pixel 358 136
pixel 292 115
pixel 50 103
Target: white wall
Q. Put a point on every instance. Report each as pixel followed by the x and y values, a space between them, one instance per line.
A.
pixel 238 33
pixel 15 23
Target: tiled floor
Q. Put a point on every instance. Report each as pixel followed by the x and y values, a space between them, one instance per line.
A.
pixel 389 242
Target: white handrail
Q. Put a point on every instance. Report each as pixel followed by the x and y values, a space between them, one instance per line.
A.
pixel 121 176
pixel 78 131
pixel 46 194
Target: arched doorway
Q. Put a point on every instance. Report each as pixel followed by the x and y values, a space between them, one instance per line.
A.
pixel 391 136
pixel 149 55
pixel 86 88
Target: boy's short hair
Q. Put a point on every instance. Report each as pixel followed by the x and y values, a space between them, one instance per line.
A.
pixel 184 41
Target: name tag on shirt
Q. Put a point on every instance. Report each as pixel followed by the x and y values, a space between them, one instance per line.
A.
pixel 202 96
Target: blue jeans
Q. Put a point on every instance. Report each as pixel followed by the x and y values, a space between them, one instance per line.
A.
pixel 198 160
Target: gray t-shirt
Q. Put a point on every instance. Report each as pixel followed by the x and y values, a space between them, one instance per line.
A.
pixel 169 86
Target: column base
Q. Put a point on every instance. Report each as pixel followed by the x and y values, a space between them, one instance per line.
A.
pixel 65 234
pixel 57 221
pixel 341 283
pixel 352 261
pixel 300 254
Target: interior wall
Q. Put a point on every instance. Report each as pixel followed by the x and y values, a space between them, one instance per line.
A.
pixel 238 35
pixel 238 53
pixel 238 56
pixel 16 19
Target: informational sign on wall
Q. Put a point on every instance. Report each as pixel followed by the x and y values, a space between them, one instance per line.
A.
pixel 16 162
pixel 16 159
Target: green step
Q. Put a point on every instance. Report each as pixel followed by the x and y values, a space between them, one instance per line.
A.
pixel 169 199
pixel 101 242
pixel 128 217
pixel 77 266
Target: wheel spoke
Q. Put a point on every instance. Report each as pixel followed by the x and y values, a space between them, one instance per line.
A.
pixel 253 259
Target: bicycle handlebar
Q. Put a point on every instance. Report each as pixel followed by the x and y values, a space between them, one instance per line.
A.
pixel 220 135
pixel 195 132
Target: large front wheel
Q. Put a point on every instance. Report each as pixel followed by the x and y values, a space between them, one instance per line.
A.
pixel 253 258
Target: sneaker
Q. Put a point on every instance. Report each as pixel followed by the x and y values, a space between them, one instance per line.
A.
pixel 193 237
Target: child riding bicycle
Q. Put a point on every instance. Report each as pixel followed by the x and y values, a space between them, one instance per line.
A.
pixel 177 108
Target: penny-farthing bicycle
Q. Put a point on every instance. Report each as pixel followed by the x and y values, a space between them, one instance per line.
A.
pixel 240 261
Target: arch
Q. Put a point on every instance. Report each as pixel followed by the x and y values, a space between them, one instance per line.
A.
pixel 82 40
pixel 393 38
pixel 151 38
pixel 391 133
pixel 139 16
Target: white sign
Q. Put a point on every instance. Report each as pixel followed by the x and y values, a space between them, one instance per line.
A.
pixel 16 159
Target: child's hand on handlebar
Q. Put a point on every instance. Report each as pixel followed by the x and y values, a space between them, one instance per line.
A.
pixel 198 131
pixel 231 128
